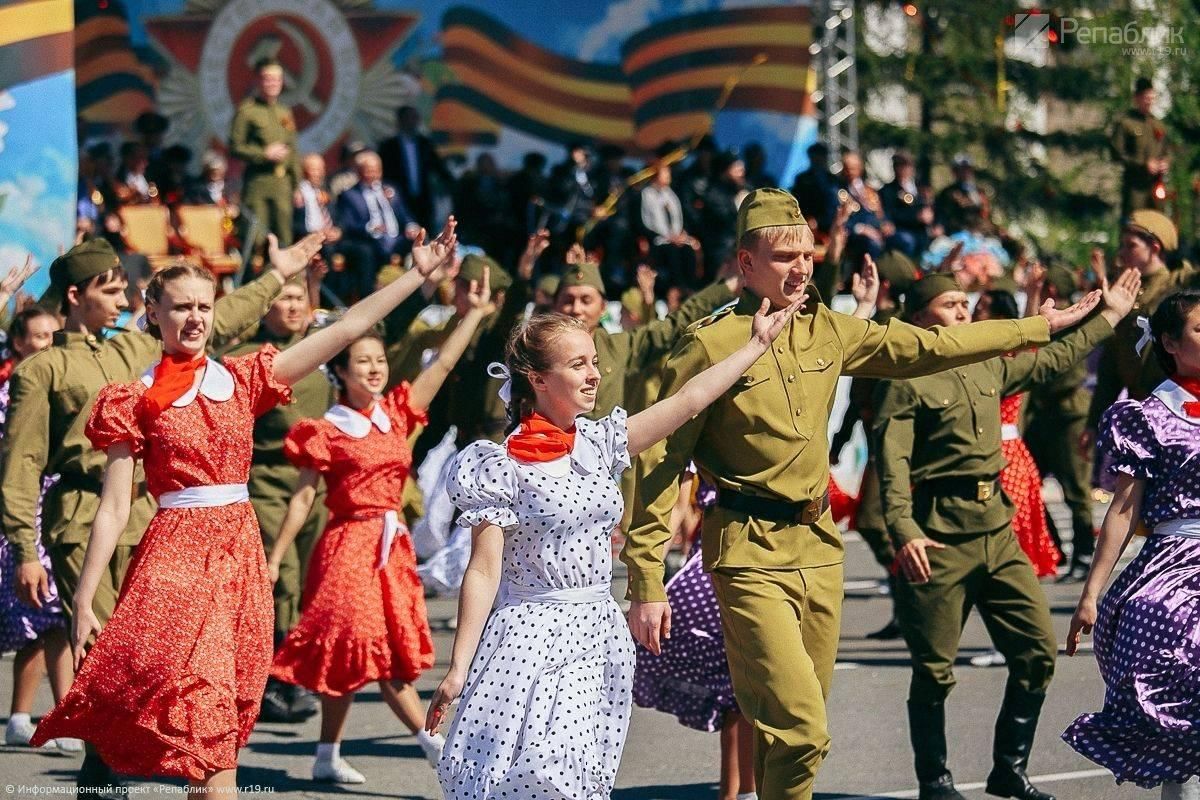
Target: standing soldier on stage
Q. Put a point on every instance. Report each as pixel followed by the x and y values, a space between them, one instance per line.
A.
pixel 273 482
pixel 771 544
pixel 1140 143
pixel 263 135
pixel 939 459
pixel 51 397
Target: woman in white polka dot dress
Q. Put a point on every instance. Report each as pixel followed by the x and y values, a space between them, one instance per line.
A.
pixel 545 676
pixel 1147 627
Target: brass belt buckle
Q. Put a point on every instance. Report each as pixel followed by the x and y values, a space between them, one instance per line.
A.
pixel 984 489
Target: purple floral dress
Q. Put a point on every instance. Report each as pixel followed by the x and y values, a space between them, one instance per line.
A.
pixel 21 624
pixel 1147 633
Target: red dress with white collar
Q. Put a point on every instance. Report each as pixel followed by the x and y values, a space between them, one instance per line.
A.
pixel 362 613
pixel 174 682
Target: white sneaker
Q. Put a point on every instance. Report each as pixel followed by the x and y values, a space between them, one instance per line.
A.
pixel 18 732
pixel 992 659
pixel 336 770
pixel 70 746
pixel 432 746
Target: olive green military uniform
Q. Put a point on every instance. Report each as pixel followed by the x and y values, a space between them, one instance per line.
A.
pixel 267 185
pixel 939 459
pixel 1121 366
pixel 51 396
pixel 777 562
pixel 273 479
pixel 1136 139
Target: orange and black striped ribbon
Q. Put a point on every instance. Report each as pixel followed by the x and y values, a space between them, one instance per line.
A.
pixel 36 39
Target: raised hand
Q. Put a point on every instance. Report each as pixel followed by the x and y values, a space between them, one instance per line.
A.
pixel 766 327
pixel 534 248
pixel 646 278
pixel 429 257
pixel 1121 295
pixel 15 279
pixel 575 255
pixel 479 295
pixel 864 287
pixel 293 260
pixel 1059 320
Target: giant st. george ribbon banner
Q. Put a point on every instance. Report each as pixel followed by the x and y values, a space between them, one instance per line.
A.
pixel 38 151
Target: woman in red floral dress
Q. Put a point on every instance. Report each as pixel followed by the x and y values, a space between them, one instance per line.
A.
pixel 173 683
pixel 363 609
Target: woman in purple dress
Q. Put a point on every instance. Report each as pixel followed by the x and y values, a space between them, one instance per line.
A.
pixel 37 635
pixel 1147 627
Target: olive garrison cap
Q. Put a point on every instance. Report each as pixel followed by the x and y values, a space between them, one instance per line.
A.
pixel 767 208
pixel 898 270
pixel 585 274
pixel 925 290
pixel 1156 224
pixel 548 284
pixel 1062 280
pixel 81 263
pixel 472 270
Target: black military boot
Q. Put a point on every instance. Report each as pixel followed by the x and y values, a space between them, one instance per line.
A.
pixel 1015 728
pixel 927 731
pixel 1083 546
pixel 97 780
pixel 301 702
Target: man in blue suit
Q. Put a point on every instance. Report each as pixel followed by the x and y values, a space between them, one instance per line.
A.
pixel 375 227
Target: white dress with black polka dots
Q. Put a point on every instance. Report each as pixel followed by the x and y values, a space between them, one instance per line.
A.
pixel 546 705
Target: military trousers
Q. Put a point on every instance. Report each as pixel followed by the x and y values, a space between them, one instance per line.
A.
pixel 869 519
pixel 270 492
pixel 66 561
pixel 781 636
pixel 269 199
pixel 1053 439
pixel 989 572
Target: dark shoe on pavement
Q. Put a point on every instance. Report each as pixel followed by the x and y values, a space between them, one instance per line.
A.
pixel 275 706
pixel 943 789
pixel 1015 729
pixel 302 702
pixel 97 780
pixel 887 632
pixel 1008 783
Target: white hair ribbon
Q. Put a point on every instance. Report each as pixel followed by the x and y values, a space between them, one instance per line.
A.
pixel 1147 337
pixel 498 370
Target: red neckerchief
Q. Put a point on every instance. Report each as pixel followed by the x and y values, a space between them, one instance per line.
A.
pixel 6 369
pixel 1192 387
pixel 173 377
pixel 538 439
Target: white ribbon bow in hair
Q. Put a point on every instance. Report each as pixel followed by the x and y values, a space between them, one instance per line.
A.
pixel 498 370
pixel 1147 337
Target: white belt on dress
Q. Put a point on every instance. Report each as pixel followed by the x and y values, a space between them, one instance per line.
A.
pixel 1189 528
pixel 511 593
pixel 1009 432
pixel 221 494
pixel 392 527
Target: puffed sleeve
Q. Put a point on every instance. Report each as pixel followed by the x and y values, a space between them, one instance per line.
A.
pixel 483 484
pixel 255 373
pixel 306 445
pixel 610 435
pixel 397 405
pixel 113 419
pixel 1127 443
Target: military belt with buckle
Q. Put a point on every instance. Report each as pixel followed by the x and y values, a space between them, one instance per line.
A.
pixel 965 487
pixel 804 512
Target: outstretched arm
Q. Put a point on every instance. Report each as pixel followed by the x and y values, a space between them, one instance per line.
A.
pixel 661 419
pixel 426 386
pixel 1117 530
pixel 306 355
pixel 479 586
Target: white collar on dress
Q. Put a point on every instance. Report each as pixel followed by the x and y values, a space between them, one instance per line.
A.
pixel 216 385
pixel 583 455
pixel 352 422
pixel 1173 396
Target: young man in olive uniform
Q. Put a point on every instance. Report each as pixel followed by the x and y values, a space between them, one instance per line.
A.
pixel 273 482
pixel 938 443
pixel 50 399
pixel 1140 144
pixel 263 135
pixel 771 545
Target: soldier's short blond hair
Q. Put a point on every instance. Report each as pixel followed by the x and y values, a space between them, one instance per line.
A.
pixel 776 235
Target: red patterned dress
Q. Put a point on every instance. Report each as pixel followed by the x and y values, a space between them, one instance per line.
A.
pixel 173 684
pixel 362 614
pixel 1022 483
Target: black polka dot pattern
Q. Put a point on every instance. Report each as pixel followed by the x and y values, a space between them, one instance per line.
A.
pixel 546 706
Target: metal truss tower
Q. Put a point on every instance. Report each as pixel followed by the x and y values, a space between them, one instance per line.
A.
pixel 833 56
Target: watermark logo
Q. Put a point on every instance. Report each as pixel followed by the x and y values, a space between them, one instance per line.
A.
pixel 1031 32
pixel 1035 32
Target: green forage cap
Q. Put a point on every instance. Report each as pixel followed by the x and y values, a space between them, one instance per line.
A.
pixel 82 262
pixel 585 274
pixel 1004 283
pixel 1158 225
pixel 767 208
pixel 548 284
pixel 1063 281
pixel 472 270
pixel 898 270
pixel 924 290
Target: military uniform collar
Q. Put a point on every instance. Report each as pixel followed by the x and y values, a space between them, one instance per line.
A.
pixel 749 303
pixel 217 384
pixel 282 342
pixel 1173 396
pixel 353 423
pixel 75 339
